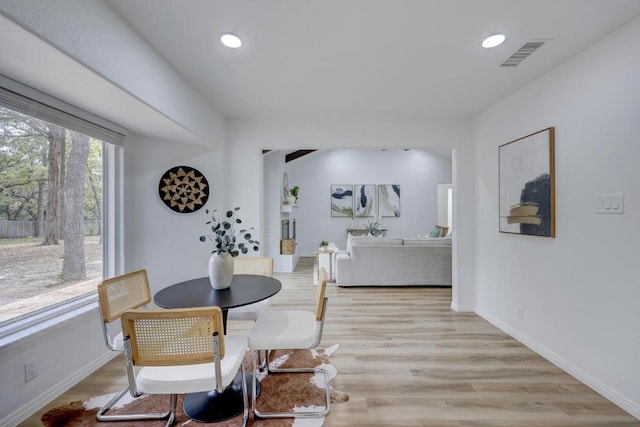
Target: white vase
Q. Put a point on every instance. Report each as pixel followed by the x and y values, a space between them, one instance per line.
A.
pixel 220 270
pixel 291 200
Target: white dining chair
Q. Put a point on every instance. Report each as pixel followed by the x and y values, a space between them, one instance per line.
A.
pixel 115 296
pixel 291 330
pixel 262 266
pixel 175 351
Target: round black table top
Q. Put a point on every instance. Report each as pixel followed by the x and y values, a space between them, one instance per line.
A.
pixel 245 289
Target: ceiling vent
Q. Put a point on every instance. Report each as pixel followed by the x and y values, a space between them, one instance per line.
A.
pixel 521 54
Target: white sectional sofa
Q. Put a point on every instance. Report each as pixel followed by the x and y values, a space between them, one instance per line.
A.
pixel 386 261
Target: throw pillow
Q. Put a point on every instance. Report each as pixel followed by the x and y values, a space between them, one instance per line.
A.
pixel 436 232
pixel 349 239
pixel 443 230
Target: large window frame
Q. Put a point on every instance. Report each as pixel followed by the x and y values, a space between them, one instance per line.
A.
pixel 29 101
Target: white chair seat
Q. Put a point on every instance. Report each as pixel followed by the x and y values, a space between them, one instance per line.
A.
pixel 118 342
pixel 290 329
pixel 192 378
pixel 249 311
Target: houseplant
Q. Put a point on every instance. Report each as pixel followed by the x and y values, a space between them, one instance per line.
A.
pixel 229 242
pixel 373 227
pixel 294 192
pixel 291 195
pixel 323 245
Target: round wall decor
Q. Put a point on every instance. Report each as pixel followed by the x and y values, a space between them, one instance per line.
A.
pixel 183 189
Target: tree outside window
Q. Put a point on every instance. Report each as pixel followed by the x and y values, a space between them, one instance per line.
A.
pixel 50 213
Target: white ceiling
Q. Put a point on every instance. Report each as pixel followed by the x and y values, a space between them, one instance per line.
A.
pixel 341 58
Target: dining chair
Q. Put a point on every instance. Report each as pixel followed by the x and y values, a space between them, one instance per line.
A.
pixel 175 351
pixel 291 330
pixel 115 296
pixel 262 266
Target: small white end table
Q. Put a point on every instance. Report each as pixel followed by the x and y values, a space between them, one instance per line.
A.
pixel 321 262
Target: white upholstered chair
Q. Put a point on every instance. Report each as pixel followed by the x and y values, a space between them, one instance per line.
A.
pixel 262 266
pixel 115 296
pixel 174 351
pixel 291 330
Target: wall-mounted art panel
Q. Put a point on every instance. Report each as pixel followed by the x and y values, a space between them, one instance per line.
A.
pixel 389 200
pixel 527 185
pixel 364 200
pixel 342 200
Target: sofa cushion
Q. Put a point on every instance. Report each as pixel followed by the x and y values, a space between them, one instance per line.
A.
pixel 375 241
pixel 434 241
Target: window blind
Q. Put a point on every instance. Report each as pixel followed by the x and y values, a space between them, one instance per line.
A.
pixel 27 100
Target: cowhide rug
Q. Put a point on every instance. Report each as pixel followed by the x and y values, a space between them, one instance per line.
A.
pixel 279 392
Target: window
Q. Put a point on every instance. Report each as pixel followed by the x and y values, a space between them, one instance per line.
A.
pixel 59 192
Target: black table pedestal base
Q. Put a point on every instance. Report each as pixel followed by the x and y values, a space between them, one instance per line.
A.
pixel 212 407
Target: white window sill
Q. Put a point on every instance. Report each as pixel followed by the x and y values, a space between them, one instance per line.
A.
pixel 32 326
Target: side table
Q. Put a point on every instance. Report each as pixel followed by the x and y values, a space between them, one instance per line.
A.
pixel 320 263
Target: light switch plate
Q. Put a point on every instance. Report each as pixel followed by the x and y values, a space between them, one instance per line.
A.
pixel 610 203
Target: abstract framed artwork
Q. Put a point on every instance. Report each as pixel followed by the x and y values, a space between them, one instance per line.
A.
pixel 389 200
pixel 183 189
pixel 341 200
pixel 527 185
pixel 364 200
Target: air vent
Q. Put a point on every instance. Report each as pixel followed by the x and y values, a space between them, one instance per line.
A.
pixel 521 54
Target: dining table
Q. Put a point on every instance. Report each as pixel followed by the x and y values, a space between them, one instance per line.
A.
pixel 212 406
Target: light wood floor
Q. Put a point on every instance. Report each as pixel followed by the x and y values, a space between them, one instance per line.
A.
pixel 406 359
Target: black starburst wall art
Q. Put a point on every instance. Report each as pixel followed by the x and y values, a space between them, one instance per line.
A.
pixel 183 189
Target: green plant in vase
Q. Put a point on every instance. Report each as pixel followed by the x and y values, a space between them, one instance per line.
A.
pixel 294 191
pixel 226 237
pixel 229 242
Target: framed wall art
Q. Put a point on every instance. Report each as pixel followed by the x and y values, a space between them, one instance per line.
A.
pixel 183 189
pixel 341 200
pixel 389 200
pixel 527 185
pixel 364 200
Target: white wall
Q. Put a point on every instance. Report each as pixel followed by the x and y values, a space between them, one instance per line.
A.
pixel 157 238
pixel 65 351
pixel 417 171
pixel 579 291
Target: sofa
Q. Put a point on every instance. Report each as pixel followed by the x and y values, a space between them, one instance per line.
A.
pixel 386 261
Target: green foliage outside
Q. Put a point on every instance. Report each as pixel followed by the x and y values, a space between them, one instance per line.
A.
pixel 24 169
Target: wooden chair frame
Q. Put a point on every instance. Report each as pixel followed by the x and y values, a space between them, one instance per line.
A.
pixel 115 296
pixel 176 337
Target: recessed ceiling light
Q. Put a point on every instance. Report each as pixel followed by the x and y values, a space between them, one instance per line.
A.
pixel 493 41
pixel 231 40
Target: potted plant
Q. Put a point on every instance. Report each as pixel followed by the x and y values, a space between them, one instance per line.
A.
pixel 289 199
pixel 294 192
pixel 323 245
pixel 229 242
pixel 373 227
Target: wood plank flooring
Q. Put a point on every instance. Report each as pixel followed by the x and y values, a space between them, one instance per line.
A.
pixel 407 359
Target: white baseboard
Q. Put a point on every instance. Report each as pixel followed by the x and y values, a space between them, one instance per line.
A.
pixel 461 308
pixel 606 391
pixel 29 408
